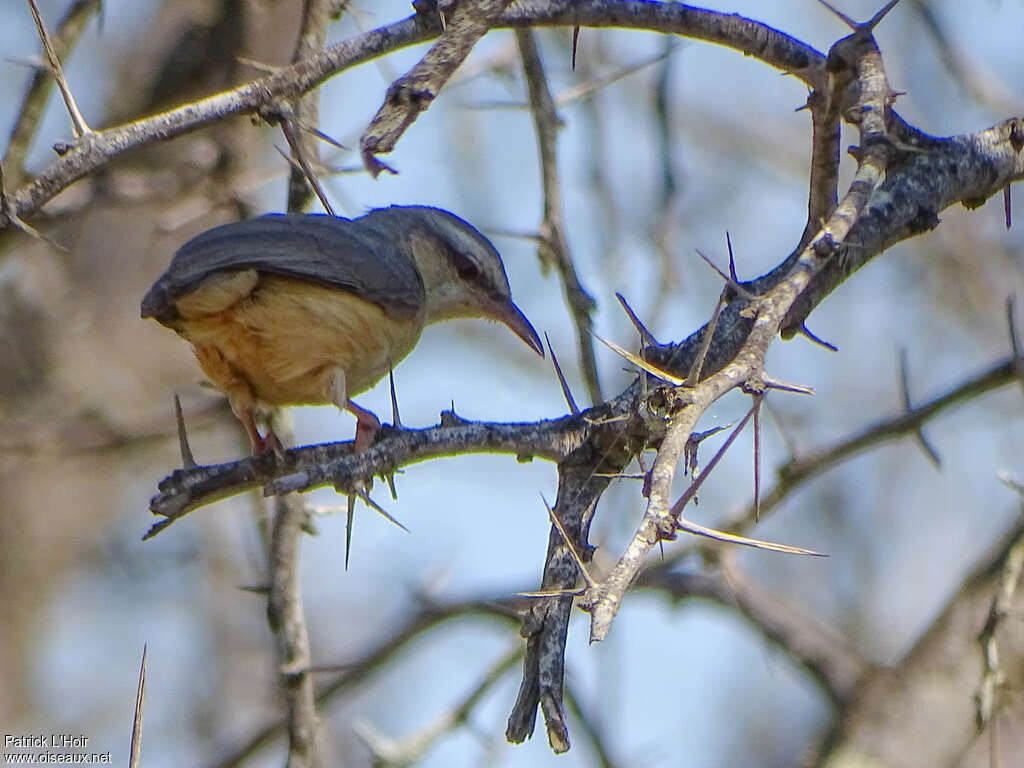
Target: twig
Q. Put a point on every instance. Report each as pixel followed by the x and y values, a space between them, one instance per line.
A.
pixel 348 676
pixel 338 464
pixel 391 754
pixel 30 113
pixel 993 678
pixel 811 463
pixel 412 93
pixel 288 621
pixel 861 57
pixel 585 89
pixel 552 229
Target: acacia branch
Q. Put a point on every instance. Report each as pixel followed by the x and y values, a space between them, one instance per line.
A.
pixel 414 91
pixel 82 158
pixel 860 60
pixel 338 464
pixel 30 113
pixel 554 244
pixel 922 176
pixel 287 619
pixel 809 464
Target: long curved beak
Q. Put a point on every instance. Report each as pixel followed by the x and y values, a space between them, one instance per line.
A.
pixel 513 317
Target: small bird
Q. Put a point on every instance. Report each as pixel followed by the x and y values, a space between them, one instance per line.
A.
pixel 291 309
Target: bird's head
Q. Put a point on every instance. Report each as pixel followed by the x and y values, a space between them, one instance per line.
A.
pixel 463 275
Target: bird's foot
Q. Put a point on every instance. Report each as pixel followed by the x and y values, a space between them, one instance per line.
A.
pixel 270 443
pixel 367 425
pixel 261 445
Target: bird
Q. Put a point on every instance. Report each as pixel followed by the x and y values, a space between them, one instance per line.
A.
pixel 312 309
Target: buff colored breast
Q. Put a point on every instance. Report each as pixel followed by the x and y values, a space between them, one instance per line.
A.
pixel 281 339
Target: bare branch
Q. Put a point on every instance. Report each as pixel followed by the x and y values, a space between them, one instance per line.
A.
pixel 388 753
pixel 412 93
pixel 993 677
pixel 811 463
pixel 287 619
pixel 861 58
pixel 552 229
pixel 338 464
pixel 350 675
pixel 30 113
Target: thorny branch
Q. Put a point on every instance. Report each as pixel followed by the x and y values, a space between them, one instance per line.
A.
pixel 871 215
pixel 904 179
pixel 554 246
pixel 414 91
pixel 809 464
pixel 82 158
pixel 30 113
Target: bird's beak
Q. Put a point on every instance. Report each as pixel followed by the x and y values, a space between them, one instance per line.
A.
pixel 512 316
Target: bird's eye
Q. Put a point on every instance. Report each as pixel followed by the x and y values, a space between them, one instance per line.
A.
pixel 465 267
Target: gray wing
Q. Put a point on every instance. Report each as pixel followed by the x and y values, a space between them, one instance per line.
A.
pixel 339 253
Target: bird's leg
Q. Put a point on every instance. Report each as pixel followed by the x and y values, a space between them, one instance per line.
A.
pixel 240 396
pixel 367 423
pixel 248 418
pixel 259 444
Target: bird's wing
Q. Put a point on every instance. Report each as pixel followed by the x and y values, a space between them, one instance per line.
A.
pixel 331 251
